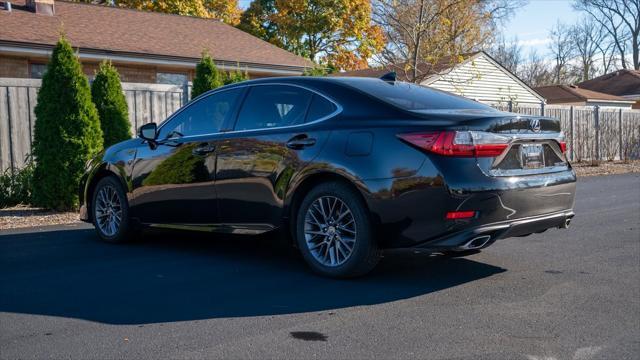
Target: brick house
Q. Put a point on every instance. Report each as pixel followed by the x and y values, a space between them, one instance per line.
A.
pixel 576 95
pixel 146 47
pixel 624 83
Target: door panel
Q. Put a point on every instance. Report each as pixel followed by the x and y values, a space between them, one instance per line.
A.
pixel 269 144
pixel 253 173
pixel 174 183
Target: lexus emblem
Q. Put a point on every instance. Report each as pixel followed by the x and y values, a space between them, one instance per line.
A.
pixel 535 125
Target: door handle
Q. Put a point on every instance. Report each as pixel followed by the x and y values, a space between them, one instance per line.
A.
pixel 204 149
pixel 300 142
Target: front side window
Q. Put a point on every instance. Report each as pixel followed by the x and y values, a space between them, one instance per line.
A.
pixel 269 106
pixel 204 116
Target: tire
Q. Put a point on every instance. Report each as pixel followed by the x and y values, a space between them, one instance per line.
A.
pixel 324 240
pixel 120 232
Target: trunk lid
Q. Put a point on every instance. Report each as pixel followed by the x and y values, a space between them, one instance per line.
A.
pixel 535 144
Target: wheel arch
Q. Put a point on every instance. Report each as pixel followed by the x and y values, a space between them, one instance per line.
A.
pixel 302 186
pixel 98 174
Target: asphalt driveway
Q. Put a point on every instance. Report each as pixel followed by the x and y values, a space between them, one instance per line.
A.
pixel 564 294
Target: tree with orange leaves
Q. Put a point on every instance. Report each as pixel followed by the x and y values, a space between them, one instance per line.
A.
pixel 225 10
pixel 332 32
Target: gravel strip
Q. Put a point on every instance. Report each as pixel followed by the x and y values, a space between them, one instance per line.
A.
pixel 606 168
pixel 22 216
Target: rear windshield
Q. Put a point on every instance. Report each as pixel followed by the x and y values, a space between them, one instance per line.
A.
pixel 414 97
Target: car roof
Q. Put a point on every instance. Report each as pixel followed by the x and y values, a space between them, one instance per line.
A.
pixel 307 80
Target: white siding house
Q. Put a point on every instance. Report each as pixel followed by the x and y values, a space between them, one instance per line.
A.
pixel 479 77
pixel 484 79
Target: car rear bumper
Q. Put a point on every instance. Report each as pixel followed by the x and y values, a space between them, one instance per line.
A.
pixel 411 212
pixel 487 234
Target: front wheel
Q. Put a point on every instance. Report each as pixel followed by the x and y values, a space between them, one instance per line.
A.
pixel 110 211
pixel 333 232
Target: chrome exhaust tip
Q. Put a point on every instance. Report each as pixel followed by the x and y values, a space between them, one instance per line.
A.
pixel 566 224
pixel 476 242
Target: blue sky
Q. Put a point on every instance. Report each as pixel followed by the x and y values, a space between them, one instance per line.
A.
pixel 530 24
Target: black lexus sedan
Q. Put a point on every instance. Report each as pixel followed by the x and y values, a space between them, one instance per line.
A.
pixel 345 167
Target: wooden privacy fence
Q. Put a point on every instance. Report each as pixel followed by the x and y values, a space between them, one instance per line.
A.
pixel 591 132
pixel 147 103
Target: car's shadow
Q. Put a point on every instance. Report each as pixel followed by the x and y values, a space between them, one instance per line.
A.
pixel 178 276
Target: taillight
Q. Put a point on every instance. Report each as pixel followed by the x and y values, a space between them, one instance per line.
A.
pixel 563 146
pixel 459 143
pixel 453 215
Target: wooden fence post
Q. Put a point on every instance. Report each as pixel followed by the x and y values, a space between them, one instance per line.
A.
pixel 151 105
pixel 596 118
pixel 135 110
pixel 9 127
pixel 185 93
pixel 573 149
pixel 620 137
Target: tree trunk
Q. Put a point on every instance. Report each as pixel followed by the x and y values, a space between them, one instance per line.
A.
pixel 636 50
pixel 416 50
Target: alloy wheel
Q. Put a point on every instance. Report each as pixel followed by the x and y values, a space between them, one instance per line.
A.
pixel 330 231
pixel 108 210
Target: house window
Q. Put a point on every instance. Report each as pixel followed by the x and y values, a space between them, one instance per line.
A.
pixel 171 78
pixel 37 70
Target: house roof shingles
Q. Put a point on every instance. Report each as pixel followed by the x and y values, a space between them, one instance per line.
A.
pixel 620 82
pixel 140 32
pixel 556 94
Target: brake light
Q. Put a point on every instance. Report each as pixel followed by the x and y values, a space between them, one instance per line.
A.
pixel 563 146
pixel 452 215
pixel 459 143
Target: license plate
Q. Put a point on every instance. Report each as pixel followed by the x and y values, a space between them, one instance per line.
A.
pixel 532 156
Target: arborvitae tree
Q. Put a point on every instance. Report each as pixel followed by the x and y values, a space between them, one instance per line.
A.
pixel 111 104
pixel 315 71
pixel 67 131
pixel 207 76
pixel 235 76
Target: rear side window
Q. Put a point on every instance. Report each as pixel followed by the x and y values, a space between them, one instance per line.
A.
pixel 269 106
pixel 414 97
pixel 320 107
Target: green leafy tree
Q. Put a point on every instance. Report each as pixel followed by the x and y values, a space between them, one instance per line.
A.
pixel 67 131
pixel 319 71
pixel 207 76
pixel 235 76
pixel 107 95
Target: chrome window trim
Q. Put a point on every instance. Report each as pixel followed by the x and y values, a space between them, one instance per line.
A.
pixel 338 110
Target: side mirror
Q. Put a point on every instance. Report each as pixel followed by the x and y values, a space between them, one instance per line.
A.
pixel 148 132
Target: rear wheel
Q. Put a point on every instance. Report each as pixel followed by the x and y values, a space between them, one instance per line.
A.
pixel 333 232
pixel 110 211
